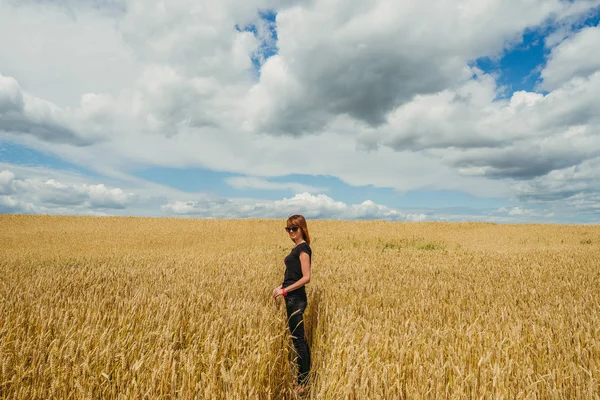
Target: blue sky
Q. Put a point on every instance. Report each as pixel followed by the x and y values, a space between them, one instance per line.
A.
pixel 519 67
pixel 258 114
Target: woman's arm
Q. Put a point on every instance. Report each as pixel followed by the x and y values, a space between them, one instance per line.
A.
pixel 305 264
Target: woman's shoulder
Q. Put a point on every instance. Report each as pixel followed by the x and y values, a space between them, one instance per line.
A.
pixel 304 247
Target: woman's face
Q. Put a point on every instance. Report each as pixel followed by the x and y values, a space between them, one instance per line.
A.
pixel 295 232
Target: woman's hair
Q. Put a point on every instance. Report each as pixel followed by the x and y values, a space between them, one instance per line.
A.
pixel 299 221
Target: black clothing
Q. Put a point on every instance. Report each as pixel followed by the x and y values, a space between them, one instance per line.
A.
pixel 295 306
pixel 293 268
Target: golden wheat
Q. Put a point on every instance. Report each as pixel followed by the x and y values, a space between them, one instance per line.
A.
pixel 131 308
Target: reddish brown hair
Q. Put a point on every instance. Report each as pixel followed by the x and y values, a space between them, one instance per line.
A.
pixel 299 221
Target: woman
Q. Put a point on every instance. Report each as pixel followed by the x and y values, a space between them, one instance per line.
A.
pixel 297 275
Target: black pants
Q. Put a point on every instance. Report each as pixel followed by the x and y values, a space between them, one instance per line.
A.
pixel 295 306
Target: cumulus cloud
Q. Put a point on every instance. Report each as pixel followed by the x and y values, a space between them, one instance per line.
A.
pixel 46 47
pixel 524 212
pixel 525 136
pixel 583 179
pixel 375 92
pixel 529 158
pixel 51 196
pixel 317 206
pixel 577 56
pixel 6 180
pixel 22 113
pixel 37 190
pixel 364 59
pixel 473 116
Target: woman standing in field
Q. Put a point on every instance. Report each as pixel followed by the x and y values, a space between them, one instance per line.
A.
pixel 297 275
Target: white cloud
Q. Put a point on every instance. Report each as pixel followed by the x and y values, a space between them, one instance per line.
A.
pixel 250 182
pixel 576 57
pixel 525 136
pixel 44 196
pixel 382 91
pixel 312 206
pixel 60 49
pixel 6 180
pixel 22 113
pixel 579 183
pixel 518 211
pixel 39 190
pixel 364 59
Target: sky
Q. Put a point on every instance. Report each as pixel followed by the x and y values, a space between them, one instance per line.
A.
pixel 470 110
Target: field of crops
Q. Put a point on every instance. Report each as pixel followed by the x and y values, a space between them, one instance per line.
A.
pixel 133 308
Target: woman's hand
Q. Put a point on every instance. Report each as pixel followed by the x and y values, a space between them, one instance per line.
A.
pixel 277 292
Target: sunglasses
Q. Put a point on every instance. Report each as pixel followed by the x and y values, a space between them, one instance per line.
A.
pixel 291 228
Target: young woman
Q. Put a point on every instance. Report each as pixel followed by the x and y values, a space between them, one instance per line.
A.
pixel 297 275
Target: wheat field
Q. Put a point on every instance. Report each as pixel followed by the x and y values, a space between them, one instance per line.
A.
pixel 157 308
